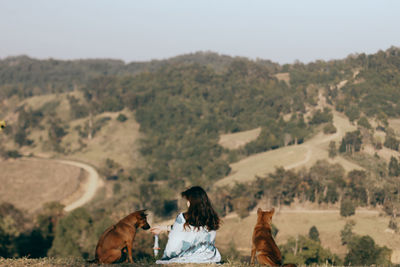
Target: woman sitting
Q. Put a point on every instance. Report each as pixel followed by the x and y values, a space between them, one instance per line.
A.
pixel 192 237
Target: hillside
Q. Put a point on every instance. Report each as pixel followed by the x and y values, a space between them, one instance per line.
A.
pixel 249 132
pixel 29 183
pixel 293 222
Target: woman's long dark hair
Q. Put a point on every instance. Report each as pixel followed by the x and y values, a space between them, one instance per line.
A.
pixel 200 212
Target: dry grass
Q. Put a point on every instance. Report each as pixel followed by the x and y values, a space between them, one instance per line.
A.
pixel 290 157
pixel 62 110
pixel 298 222
pixel 29 183
pixel 284 76
pixel 116 140
pixel 263 163
pixel 236 140
pixel 58 262
pixel 395 124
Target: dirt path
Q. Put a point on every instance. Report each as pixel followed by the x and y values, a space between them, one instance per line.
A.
pixel 89 187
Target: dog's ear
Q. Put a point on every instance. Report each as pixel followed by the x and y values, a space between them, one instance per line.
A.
pixel 272 211
pixel 142 211
pixel 259 210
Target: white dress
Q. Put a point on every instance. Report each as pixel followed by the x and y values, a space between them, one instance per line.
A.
pixel 190 245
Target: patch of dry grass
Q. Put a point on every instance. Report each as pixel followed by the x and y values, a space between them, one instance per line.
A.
pixel 395 124
pixel 290 157
pixel 29 183
pixel 284 76
pixel 236 140
pixel 115 140
pixel 263 163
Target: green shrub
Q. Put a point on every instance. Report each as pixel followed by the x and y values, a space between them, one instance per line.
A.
pixel 329 128
pixel 122 118
pixel 364 251
pixel 347 208
pixel 313 234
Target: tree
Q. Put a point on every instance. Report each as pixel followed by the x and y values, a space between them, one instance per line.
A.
pixel 391 142
pixel 332 149
pixel 321 116
pixel 329 128
pixel 122 117
pixel 56 132
pixel 352 112
pixel 347 208
pixel 351 142
pixel 313 234
pixel 342 147
pixel 303 250
pixel 21 137
pixel 394 167
pixel 364 251
pixel 72 235
pixel 346 233
pixel 363 121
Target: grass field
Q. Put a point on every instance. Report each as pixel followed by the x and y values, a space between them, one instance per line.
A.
pixel 236 140
pixel 290 157
pixel 29 183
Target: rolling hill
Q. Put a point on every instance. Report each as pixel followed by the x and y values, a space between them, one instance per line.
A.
pixel 154 128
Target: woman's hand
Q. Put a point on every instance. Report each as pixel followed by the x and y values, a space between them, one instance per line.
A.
pixel 156 230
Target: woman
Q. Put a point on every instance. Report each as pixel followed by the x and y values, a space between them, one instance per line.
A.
pixel 192 236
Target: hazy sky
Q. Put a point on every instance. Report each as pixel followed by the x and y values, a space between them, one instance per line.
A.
pixel 280 30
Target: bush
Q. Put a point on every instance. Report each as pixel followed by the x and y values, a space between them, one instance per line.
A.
pixel 72 236
pixel 363 121
pixel 329 128
pixel 364 251
pixel 332 149
pixel 13 154
pixel 322 116
pixel 347 208
pixel 313 234
pixel 303 250
pixel 121 117
pixel 391 142
pixel 393 224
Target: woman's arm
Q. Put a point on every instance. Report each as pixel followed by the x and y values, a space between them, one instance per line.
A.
pixel 156 230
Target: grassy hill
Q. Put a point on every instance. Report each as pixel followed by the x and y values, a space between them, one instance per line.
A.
pixel 154 128
pixel 29 183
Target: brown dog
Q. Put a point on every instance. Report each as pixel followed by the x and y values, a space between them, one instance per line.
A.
pixel 263 242
pixel 120 236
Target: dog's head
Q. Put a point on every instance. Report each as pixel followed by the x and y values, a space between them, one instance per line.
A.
pixel 141 220
pixel 265 217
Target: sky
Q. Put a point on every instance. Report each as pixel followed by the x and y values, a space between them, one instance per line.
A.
pixel 283 31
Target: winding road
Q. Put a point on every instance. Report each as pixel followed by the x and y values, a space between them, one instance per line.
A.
pixel 90 186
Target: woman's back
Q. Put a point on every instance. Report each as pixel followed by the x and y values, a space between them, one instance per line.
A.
pixel 190 244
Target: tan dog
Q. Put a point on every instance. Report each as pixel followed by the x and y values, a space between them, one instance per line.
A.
pixel 120 236
pixel 263 242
